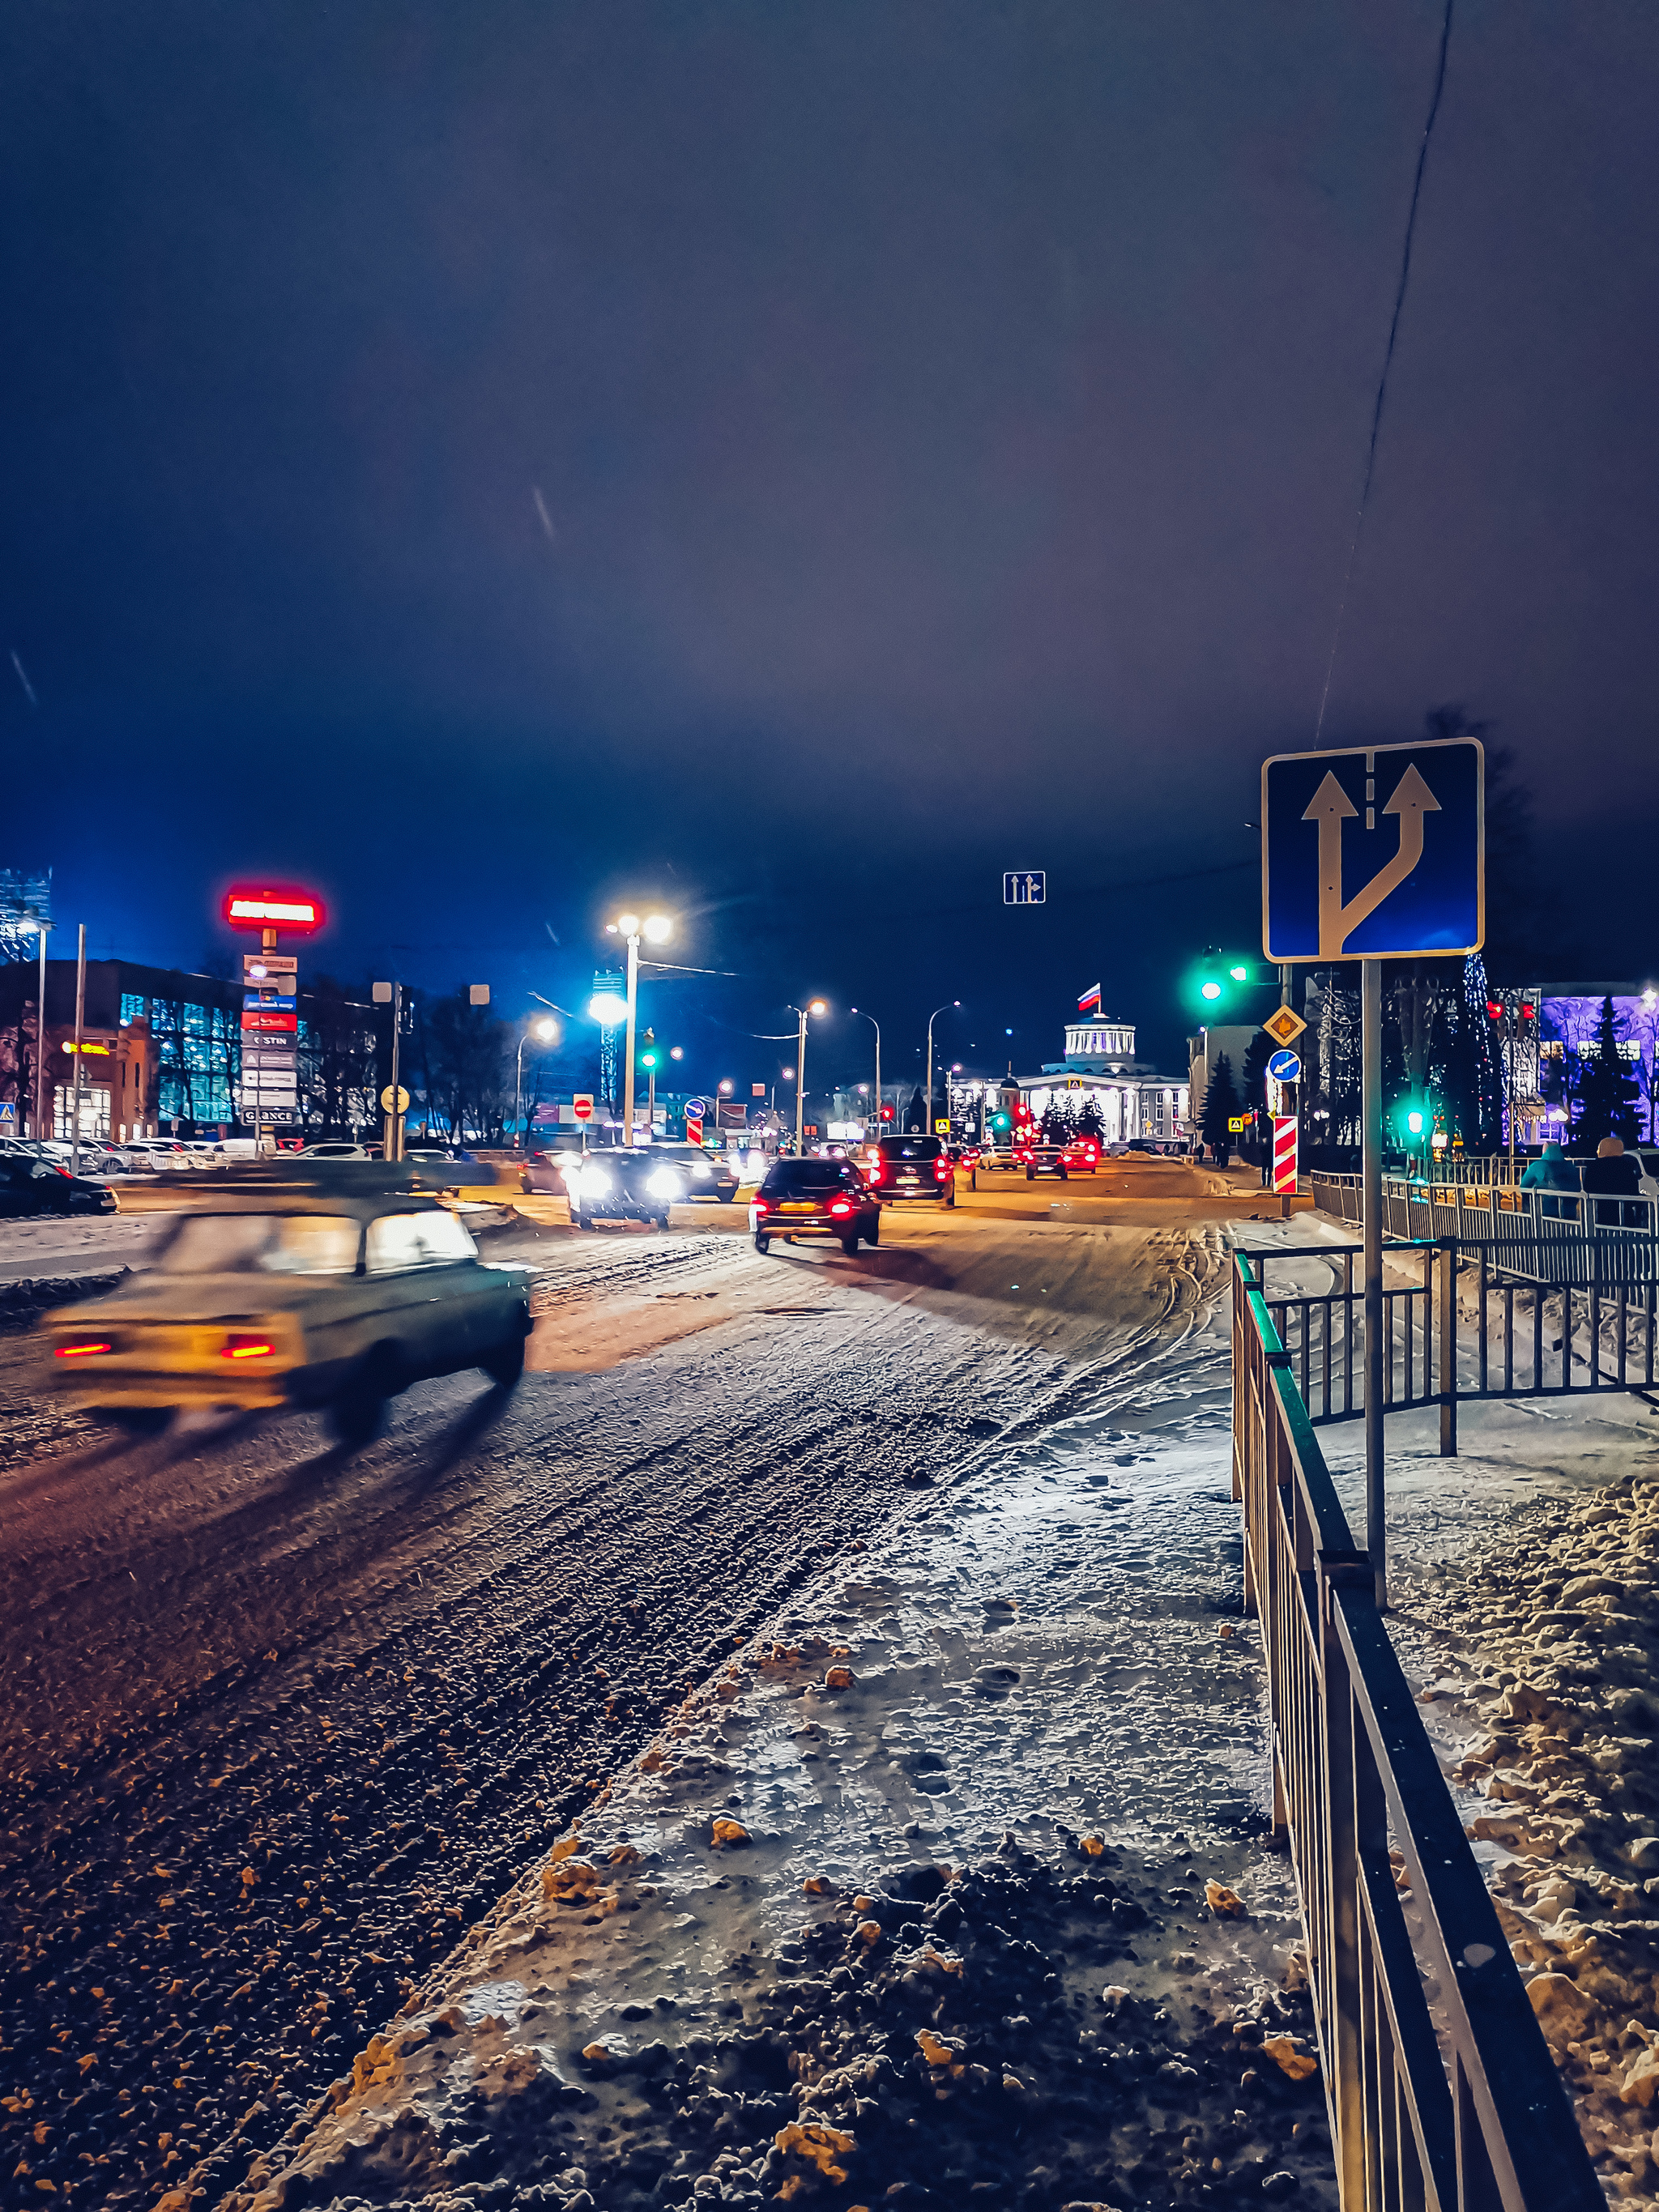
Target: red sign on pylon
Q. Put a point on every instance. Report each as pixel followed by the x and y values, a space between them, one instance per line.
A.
pixel 694 1128
pixel 1285 1152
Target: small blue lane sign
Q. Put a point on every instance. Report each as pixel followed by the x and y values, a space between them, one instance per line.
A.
pixel 1284 1066
pixel 1024 886
pixel 1375 854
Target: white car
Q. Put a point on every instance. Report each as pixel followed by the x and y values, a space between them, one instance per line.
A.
pixel 334 1151
pixel 156 1152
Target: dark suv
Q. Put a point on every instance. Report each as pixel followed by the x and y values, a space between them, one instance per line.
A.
pixel 815 1198
pixel 902 1170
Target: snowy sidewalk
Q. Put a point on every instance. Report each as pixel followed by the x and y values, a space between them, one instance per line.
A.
pixel 954 1887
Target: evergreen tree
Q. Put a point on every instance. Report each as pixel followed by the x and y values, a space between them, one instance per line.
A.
pixel 1220 1104
pixel 1089 1123
pixel 1607 1092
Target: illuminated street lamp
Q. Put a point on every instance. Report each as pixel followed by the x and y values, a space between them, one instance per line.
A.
pixel 546 1030
pixel 876 1026
pixel 657 929
pixel 932 1018
pixel 813 1007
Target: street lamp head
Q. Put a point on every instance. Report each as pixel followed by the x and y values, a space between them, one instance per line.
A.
pixel 658 928
pixel 546 1030
pixel 629 923
pixel 607 1008
pixel 817 1006
pixel 726 1087
pixel 677 1052
pixel 788 1074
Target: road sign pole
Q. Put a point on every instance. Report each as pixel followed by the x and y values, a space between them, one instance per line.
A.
pixel 393 1148
pixel 80 1015
pixel 1371 1051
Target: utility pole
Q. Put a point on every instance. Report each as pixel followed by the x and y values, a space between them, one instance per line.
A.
pixel 40 1043
pixel 932 1018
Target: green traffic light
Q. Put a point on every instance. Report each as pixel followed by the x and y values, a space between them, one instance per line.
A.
pixel 1212 990
pixel 1239 974
pixel 1414 1123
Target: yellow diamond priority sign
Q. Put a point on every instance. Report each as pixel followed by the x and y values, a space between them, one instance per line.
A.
pixel 1282 1026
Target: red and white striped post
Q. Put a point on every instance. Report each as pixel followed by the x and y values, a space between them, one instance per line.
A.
pixel 1285 1151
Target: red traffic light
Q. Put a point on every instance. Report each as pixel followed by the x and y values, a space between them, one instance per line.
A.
pixel 1528 1012
pixel 1494 1011
pixel 886 1112
pixel 273 906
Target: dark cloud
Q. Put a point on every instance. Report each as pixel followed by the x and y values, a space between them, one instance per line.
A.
pixel 489 457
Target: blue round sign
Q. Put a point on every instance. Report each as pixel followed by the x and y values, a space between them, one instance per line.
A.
pixel 696 1108
pixel 1285 1067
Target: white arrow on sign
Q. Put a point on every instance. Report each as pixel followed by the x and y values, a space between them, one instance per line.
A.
pixel 1330 807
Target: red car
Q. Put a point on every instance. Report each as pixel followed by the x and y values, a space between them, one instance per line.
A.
pixel 1082 1157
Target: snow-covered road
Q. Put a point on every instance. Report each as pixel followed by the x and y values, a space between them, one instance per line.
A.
pixel 842 1933
pixel 282 1723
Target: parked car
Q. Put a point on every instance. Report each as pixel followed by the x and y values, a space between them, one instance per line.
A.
pixel 271 1294
pixel 910 1171
pixel 816 1198
pixel 30 1183
pixel 335 1149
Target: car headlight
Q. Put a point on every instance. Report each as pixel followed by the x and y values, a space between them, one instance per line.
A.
pixel 702 1171
pixel 664 1184
pixel 591 1185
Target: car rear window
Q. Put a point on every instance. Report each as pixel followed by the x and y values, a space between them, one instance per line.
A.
pixel 398 1241
pixel 808 1175
pixel 266 1243
pixel 910 1148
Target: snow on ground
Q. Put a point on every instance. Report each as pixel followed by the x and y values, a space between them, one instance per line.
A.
pixel 69 1245
pixel 953 1888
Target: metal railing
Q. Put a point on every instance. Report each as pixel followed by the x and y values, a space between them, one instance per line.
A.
pixel 1583 1239
pixel 1529 1335
pixel 1441 2090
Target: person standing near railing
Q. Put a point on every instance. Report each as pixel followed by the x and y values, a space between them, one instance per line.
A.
pixel 1551 1171
pixel 1612 1175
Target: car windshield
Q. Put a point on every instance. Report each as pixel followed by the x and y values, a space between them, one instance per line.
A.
pixel 263 1244
pixel 808 1176
pixel 910 1148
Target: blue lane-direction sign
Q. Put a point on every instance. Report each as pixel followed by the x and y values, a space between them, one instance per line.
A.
pixel 1284 1066
pixel 1378 855
pixel 696 1108
pixel 1024 886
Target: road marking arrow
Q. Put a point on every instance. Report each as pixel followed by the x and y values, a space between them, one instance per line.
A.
pixel 1330 807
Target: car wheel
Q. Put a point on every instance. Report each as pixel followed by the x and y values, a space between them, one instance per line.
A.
pixel 506 1364
pixel 1031 1174
pixel 661 1219
pixel 354 1418
pixel 973 1180
pixel 872 1234
pixel 1061 1173
pixel 578 1220
pixel 134 1420
pixel 849 1244
pixel 762 1242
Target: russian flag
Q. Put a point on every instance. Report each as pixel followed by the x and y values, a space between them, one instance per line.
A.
pixel 1089 1002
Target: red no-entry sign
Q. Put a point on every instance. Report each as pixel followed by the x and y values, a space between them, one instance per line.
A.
pixel 583 1106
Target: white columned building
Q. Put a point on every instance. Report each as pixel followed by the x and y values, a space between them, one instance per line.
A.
pixel 1131 1098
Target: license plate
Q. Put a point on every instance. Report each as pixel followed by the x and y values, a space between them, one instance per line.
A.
pixel 795 1205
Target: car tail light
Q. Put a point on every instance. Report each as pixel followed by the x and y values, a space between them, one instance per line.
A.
pixel 86 1347
pixel 761 1207
pixel 841 1206
pixel 246 1347
pixel 941 1170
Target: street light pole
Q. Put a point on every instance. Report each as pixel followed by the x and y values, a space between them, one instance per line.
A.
pixel 932 1018
pixel 658 927
pixel 813 1007
pixel 876 1026
pixel 545 1033
pixel 39 1130
pixel 80 1015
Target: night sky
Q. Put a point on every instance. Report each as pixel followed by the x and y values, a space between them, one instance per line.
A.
pixel 789 462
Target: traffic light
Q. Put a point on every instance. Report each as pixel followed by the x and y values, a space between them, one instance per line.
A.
pixel 1216 980
pixel 1412 1122
pixel 1001 1123
pixel 887 1113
